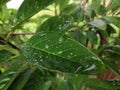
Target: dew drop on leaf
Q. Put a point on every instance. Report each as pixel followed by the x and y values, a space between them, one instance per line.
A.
pixel 46 46
pixel 60 52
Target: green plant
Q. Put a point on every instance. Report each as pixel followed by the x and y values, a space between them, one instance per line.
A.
pixel 59 45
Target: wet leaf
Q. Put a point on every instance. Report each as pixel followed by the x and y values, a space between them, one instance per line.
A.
pixel 53 50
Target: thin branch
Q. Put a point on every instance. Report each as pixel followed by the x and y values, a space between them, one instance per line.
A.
pixel 15 34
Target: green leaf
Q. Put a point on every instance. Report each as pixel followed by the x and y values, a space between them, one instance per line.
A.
pixel 99 23
pixel 56 23
pixel 53 50
pixel 112 66
pixel 96 4
pixel 21 80
pixel 113 20
pixel 97 84
pixel 7 77
pixel 30 8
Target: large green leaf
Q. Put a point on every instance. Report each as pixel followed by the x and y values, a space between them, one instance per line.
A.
pixel 97 84
pixel 99 23
pixel 96 5
pixel 113 20
pixel 56 23
pixel 30 8
pixel 56 51
pixel 7 77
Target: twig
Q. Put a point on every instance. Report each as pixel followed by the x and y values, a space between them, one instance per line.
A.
pixel 15 34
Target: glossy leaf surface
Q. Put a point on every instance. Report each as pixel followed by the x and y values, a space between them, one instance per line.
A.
pixel 54 50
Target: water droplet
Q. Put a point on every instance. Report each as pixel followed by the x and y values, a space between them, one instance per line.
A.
pixel 60 52
pixel 71 53
pixel 78 69
pixel 42 34
pixel 41 59
pixel 46 46
pixel 60 39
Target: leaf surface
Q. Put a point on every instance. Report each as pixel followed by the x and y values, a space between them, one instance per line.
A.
pixel 56 51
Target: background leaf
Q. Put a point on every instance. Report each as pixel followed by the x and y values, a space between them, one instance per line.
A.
pixel 97 84
pixel 30 8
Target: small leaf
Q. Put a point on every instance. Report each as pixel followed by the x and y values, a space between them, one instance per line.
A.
pixel 98 23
